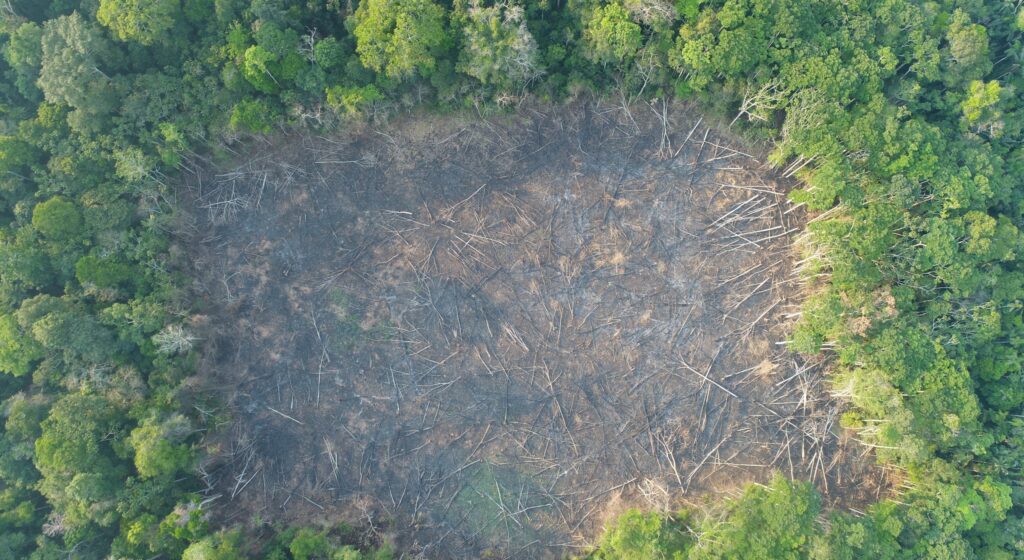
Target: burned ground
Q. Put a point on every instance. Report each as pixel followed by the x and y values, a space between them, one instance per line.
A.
pixel 477 335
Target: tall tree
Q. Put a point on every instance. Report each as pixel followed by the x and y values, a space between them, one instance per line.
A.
pixel 498 48
pixel 74 64
pixel 400 37
pixel 143 21
pixel 611 35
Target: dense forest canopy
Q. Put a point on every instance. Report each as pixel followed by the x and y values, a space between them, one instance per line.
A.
pixel 902 117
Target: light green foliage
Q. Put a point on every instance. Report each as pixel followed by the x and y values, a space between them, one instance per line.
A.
pixel 776 522
pixel 819 323
pixel 143 21
pixel 653 536
pixel 173 143
pixel 497 47
pixel 309 544
pixel 15 154
pixel 220 546
pixel 18 517
pixel 24 414
pixel 26 262
pixel 59 219
pixel 352 101
pixel 347 553
pixel 981 106
pixel 729 42
pixel 852 538
pixel 132 164
pixel 612 35
pixel 237 40
pixel 159 447
pixel 400 37
pixel 273 61
pixel 257 67
pixel 688 9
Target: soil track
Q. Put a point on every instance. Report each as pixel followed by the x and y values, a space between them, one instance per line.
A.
pixel 489 336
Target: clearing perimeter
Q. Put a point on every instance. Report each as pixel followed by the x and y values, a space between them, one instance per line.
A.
pixel 480 335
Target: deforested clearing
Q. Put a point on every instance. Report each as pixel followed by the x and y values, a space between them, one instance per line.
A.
pixel 473 335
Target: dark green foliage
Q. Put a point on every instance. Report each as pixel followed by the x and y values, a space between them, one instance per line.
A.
pixel 907 112
pixel 73 71
pixel 24 53
pixel 18 351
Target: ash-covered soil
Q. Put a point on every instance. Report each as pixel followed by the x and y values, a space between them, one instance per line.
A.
pixel 480 336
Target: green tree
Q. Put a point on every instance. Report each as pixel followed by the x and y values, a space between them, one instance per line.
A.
pixel 309 544
pixel 82 475
pixel 105 274
pixel 159 447
pixel 253 115
pixel 775 522
pixel 637 534
pixel 967 50
pixel 497 47
pixel 981 107
pixel 400 37
pixel 66 327
pixel 225 545
pixel 611 35
pixel 133 165
pixel 17 521
pixel 59 219
pixel 24 53
pixel 18 352
pixel 274 60
pixel 851 538
pixel 328 53
pixel 75 55
pixel 143 21
pixel 27 267
pixel 352 101
pixel 258 68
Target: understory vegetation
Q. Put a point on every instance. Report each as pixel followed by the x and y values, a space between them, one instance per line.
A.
pixel 901 117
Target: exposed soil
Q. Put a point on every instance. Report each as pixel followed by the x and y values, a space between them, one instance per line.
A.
pixel 476 336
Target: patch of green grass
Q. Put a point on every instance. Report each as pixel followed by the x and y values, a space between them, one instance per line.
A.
pixel 346 332
pixel 501 506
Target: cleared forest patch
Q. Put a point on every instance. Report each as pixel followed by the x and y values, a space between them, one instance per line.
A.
pixel 475 335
